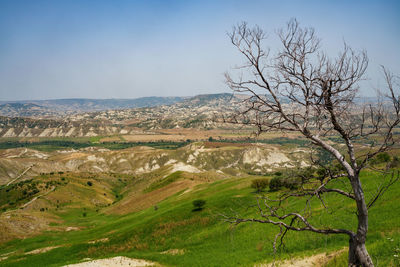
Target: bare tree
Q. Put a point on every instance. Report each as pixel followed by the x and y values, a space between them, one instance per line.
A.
pixel 301 89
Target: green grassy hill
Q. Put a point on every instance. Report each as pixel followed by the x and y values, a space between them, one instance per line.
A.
pixel 172 234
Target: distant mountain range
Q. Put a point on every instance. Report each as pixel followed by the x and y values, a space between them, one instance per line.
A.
pixel 60 107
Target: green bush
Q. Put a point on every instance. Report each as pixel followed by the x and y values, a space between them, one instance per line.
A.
pixel 259 184
pixel 198 204
pixel 381 158
pixel 275 184
pixel 291 183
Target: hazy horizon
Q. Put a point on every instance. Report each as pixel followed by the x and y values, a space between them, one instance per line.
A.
pixel 133 98
pixel 131 49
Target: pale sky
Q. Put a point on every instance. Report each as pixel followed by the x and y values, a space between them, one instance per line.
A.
pixel 129 49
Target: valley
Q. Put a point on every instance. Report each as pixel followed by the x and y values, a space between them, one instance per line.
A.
pixel 199 133
pixel 121 183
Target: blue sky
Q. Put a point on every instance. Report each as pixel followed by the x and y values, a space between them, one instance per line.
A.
pixel 128 49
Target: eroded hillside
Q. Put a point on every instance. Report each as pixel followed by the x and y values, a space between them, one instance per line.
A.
pixel 228 158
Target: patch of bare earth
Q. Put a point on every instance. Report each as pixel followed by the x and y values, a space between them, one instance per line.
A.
pixel 317 260
pixel 71 156
pixel 174 251
pixel 72 228
pixel 40 250
pixel 153 137
pixel 102 240
pixel 20 224
pixel 116 261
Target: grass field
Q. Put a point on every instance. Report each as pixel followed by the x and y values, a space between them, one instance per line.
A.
pixel 201 237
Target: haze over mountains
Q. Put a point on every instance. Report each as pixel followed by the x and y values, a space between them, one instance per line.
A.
pixel 56 107
pixel 62 107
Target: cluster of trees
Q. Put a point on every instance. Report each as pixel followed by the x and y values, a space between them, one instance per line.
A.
pixel 275 183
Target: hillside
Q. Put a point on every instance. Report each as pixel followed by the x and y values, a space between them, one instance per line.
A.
pixel 122 182
pixel 82 216
pixel 224 158
pixel 196 112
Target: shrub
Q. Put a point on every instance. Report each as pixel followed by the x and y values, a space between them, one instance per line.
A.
pixel 395 163
pixel 381 158
pixel 89 183
pixel 198 204
pixel 291 183
pixel 259 184
pixel 275 184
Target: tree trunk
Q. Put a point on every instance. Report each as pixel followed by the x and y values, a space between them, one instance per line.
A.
pixel 358 254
